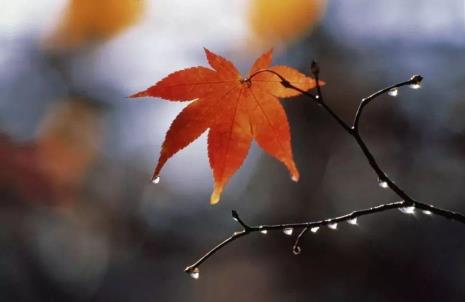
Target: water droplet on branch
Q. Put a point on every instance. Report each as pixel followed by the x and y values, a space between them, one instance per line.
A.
pixel 332 226
pixel 427 212
pixel 264 232
pixel 296 250
pixel 314 229
pixel 393 92
pixel 352 221
pixel 383 184
pixel 408 210
pixel 415 86
pixel 194 273
pixel 288 231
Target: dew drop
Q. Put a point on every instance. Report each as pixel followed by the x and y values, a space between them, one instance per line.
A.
pixel 408 210
pixel 156 180
pixel 194 273
pixel 332 226
pixel 393 92
pixel 264 232
pixel 427 212
pixel 352 221
pixel 296 250
pixel 288 231
pixel 383 184
pixel 314 229
pixel 415 86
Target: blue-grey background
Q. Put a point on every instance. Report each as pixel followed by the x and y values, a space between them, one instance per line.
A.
pixel 80 221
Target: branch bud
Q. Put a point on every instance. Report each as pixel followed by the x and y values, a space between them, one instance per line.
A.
pixel 314 68
pixel 416 79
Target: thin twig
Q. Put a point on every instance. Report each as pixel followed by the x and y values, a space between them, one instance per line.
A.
pixel 407 202
pixel 320 223
pixel 414 80
pixel 296 249
pixel 354 131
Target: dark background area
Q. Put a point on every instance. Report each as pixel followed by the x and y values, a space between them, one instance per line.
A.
pixel 80 220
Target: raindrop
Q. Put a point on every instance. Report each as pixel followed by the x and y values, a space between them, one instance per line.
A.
pixel 264 232
pixel 393 92
pixel 383 184
pixel 194 273
pixel 408 210
pixel 415 86
pixel 427 212
pixel 352 221
pixel 296 250
pixel 156 180
pixel 288 231
pixel 332 226
pixel 314 229
pixel 235 215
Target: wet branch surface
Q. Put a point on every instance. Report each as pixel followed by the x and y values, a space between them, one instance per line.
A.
pixel 407 205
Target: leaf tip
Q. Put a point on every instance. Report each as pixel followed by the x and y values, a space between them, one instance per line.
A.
pixel 215 197
pixel 207 51
pixel 295 175
pixel 138 94
pixel 155 179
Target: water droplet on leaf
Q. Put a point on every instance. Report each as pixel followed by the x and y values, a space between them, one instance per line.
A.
pixel 156 180
pixel 393 92
pixel 288 231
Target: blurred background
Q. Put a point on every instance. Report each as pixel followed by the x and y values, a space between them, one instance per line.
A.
pixel 80 220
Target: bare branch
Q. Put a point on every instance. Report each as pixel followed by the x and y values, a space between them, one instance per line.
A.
pixel 406 205
pixel 414 80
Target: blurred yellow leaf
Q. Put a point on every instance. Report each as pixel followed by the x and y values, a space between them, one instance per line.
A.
pixel 94 20
pixel 277 21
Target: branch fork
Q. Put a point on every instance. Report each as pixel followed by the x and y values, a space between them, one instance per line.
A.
pixel 407 205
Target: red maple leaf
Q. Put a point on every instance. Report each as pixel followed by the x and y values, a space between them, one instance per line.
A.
pixel 235 109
